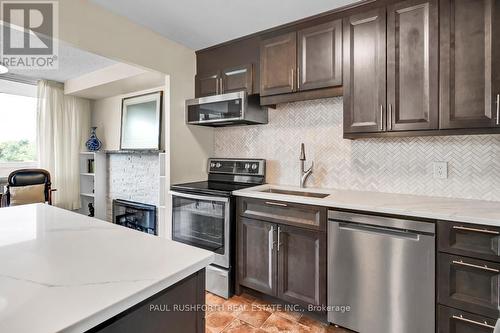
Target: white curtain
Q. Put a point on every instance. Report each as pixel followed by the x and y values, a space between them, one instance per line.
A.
pixel 63 122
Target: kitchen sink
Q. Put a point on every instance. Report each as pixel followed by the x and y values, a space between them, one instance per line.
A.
pixel 298 193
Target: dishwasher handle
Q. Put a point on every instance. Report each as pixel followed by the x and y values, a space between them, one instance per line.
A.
pixel 417 226
pixel 379 230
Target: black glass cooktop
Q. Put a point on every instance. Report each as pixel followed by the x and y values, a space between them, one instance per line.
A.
pixel 211 187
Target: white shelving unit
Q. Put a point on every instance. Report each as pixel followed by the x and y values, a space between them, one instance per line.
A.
pixel 162 218
pixel 93 184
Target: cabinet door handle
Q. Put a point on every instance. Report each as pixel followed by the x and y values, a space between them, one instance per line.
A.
pixel 292 81
pixel 389 113
pixel 483 231
pixel 483 268
pixel 276 204
pixel 461 318
pixel 216 86
pixel 498 109
pixel 298 78
pixel 221 86
pixel 381 117
pixel 279 238
pixel 271 239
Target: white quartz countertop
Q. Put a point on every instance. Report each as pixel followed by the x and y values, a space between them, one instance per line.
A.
pixel 65 272
pixel 459 210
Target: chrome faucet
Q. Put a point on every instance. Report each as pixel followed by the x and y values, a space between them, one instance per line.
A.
pixel 304 173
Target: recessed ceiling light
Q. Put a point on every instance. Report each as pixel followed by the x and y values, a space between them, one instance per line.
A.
pixel 3 69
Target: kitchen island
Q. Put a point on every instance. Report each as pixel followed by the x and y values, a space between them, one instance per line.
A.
pixel 65 272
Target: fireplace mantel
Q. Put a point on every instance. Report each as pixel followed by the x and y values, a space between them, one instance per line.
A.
pixel 145 151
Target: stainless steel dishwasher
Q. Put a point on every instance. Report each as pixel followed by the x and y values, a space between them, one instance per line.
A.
pixel 381 273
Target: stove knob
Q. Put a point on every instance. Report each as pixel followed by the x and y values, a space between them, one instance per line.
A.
pixel 247 165
pixel 212 165
pixel 254 166
pixel 218 165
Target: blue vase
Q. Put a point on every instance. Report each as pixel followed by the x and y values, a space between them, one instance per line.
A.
pixel 93 143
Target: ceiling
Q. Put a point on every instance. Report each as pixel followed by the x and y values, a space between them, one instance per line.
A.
pixel 72 62
pixel 201 23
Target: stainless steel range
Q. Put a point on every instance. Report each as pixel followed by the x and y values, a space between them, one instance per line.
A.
pixel 203 215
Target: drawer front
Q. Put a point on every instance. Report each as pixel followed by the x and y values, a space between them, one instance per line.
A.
pixel 470 240
pixel 469 284
pixel 306 216
pixel 456 321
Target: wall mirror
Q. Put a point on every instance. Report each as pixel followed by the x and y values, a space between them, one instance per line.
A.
pixel 141 122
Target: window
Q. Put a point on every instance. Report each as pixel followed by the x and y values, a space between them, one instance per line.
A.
pixel 18 130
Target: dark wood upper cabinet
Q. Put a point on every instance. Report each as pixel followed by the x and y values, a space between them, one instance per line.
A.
pixel 237 79
pixel 469 63
pixel 403 67
pixel 412 65
pixel 278 60
pixel 320 56
pixel 207 84
pixel 301 266
pixel 303 63
pixel 236 64
pixel 224 81
pixel 364 38
pixel 257 256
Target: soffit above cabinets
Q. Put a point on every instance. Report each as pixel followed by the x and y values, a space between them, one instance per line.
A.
pixel 114 80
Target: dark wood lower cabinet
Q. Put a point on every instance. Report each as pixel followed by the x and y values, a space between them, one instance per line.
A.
pixel 282 261
pixel 256 255
pixel 470 240
pixel 177 309
pixel 469 284
pixel 305 216
pixel 301 266
pixel 456 321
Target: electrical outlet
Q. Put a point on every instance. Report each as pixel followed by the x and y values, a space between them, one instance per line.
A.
pixel 440 170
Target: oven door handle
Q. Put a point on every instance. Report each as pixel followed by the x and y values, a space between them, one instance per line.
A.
pixel 199 197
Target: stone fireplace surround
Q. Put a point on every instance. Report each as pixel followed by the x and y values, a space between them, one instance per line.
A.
pixel 132 176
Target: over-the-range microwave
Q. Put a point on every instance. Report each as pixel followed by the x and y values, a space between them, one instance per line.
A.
pixel 231 109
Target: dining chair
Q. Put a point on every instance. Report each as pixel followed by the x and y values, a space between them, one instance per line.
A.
pixel 27 186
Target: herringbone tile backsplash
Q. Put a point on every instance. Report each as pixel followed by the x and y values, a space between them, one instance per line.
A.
pixel 399 165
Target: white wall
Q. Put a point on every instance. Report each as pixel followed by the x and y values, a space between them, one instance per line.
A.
pixel 94 29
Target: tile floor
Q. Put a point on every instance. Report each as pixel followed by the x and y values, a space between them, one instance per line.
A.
pixel 246 314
